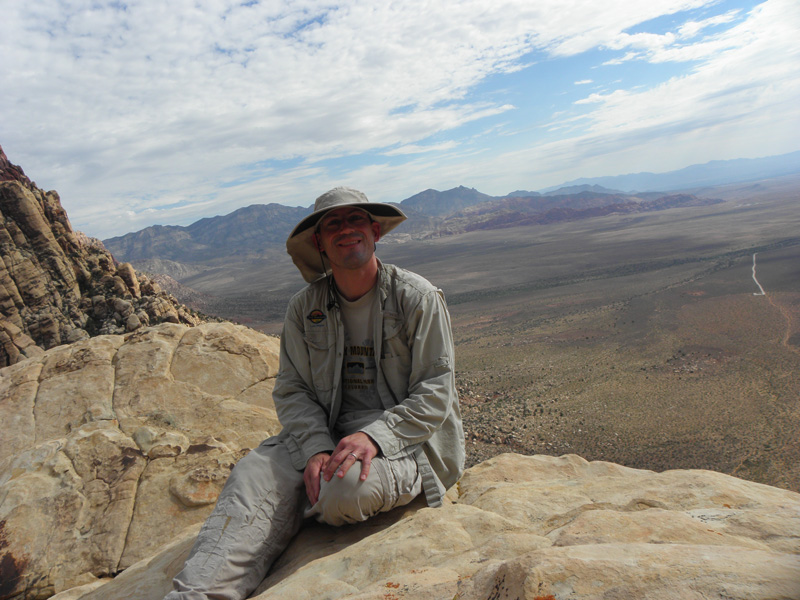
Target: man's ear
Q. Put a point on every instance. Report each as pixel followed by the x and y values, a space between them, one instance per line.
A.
pixel 376 229
pixel 315 241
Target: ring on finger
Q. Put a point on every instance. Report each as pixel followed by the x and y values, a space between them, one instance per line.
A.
pixel 353 455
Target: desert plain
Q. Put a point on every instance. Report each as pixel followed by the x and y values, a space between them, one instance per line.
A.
pixel 639 339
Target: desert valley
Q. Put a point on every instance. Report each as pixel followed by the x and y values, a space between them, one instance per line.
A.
pixel 630 336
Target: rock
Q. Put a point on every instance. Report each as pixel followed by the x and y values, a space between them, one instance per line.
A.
pixel 537 528
pixel 122 307
pixel 160 444
pixel 59 286
pixel 149 578
pixel 132 323
pixel 15 345
pixel 128 275
pixel 75 335
pixel 114 444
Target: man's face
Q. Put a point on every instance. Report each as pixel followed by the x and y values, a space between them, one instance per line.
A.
pixel 347 236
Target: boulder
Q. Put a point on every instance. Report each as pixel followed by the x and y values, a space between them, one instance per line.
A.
pixel 536 528
pixel 113 445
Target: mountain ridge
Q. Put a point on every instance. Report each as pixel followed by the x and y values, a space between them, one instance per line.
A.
pixel 259 231
pixel 427 211
pixel 715 172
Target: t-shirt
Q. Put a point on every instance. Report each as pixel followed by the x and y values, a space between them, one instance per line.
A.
pixel 361 404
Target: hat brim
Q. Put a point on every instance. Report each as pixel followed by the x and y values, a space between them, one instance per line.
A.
pixel 300 245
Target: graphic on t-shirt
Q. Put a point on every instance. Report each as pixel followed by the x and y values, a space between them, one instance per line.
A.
pixel 360 399
pixel 359 369
pixel 355 367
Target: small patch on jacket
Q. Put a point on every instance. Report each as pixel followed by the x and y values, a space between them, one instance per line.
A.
pixel 316 316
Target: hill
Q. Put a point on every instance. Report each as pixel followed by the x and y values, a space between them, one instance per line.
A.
pixel 238 264
pixel 440 204
pixel 250 231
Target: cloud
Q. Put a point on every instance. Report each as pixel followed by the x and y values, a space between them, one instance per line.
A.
pixel 417 149
pixel 189 108
pixel 739 101
pixel 692 28
pixel 673 46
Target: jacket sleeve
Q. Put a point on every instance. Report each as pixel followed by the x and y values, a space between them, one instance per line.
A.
pixel 431 381
pixel 304 419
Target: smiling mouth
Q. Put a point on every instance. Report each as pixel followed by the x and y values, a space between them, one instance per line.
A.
pixel 348 243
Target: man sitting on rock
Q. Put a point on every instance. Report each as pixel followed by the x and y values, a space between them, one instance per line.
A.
pixel 365 393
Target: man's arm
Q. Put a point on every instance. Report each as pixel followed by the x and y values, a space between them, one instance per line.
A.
pixel 431 381
pixel 302 416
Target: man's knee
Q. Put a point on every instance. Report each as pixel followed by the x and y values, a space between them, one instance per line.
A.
pixel 348 499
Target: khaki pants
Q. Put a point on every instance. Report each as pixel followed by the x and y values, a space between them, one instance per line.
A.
pixel 262 507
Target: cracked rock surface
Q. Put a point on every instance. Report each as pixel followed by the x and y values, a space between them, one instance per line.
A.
pixel 536 528
pixel 113 445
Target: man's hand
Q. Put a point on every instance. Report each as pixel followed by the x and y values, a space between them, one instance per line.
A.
pixel 351 449
pixel 311 473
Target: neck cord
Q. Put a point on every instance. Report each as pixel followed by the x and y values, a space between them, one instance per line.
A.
pixel 332 301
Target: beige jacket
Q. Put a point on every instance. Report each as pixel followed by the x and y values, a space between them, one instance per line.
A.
pixel 416 378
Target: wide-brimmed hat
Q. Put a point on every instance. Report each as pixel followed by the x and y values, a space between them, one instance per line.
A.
pixel 300 245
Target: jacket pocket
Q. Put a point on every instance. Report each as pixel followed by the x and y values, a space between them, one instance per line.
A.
pixel 321 359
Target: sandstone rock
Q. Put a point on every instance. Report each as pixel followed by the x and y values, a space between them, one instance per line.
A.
pixel 149 578
pixel 59 286
pixel 113 444
pixel 132 323
pixel 537 528
pixel 128 275
pixel 15 345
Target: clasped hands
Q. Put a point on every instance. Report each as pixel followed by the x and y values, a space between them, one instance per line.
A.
pixel 349 450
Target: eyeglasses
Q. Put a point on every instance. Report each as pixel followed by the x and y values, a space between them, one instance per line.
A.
pixel 356 220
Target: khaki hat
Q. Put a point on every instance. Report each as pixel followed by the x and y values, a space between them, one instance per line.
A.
pixel 300 245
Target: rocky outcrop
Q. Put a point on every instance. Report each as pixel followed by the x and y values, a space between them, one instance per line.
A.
pixel 536 528
pixel 113 445
pixel 59 286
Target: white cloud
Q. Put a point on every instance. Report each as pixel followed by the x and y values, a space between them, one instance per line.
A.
pixel 738 102
pixel 650 42
pixel 673 46
pixel 150 107
pixel 692 28
pixel 417 149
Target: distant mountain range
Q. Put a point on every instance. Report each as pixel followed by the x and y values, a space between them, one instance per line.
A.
pixel 247 231
pixel 717 172
pixel 260 230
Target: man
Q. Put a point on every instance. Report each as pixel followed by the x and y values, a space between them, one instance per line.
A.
pixel 365 393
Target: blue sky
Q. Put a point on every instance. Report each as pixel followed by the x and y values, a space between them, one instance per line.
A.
pixel 142 113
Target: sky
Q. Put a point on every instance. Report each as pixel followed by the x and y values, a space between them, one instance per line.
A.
pixel 151 112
